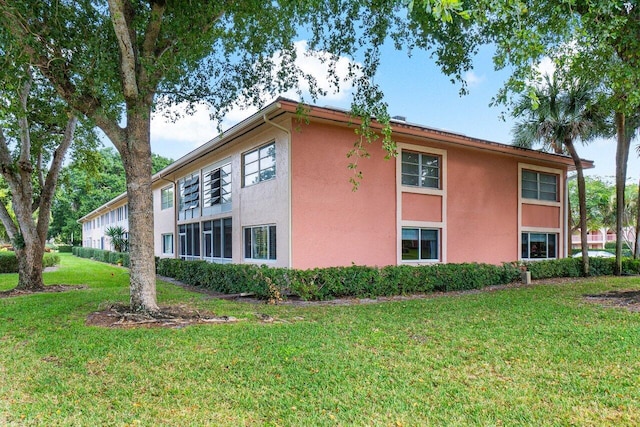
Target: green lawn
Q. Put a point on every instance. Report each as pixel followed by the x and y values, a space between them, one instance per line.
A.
pixel 529 356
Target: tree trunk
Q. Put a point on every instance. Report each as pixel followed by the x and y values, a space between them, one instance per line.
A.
pixel 30 265
pixel 582 203
pixel 569 225
pixel 137 165
pixel 622 155
pixel 636 246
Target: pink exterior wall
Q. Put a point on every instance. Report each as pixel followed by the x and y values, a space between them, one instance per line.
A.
pixel 331 224
pixel 540 216
pixel 421 207
pixel 482 206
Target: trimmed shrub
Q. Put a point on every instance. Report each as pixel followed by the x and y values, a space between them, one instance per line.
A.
pixel 65 249
pixel 102 255
pixel 9 261
pixel 335 282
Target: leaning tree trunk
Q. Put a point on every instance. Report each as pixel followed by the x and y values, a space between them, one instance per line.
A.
pixel 137 165
pixel 582 203
pixel 622 155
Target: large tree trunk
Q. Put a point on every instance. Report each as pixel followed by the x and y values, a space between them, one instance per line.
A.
pixel 622 155
pixel 137 166
pixel 636 246
pixel 30 265
pixel 582 203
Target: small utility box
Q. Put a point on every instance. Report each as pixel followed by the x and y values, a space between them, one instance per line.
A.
pixel 525 276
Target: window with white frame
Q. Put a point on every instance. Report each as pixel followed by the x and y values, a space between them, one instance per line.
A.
pixel 420 244
pixel 216 189
pixel 166 198
pixel 539 245
pixel 260 242
pixel 217 239
pixel 420 170
pixel 189 196
pixel 167 243
pixel 189 235
pixel 539 186
pixel 259 165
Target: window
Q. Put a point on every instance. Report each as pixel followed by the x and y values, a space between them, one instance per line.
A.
pixel 166 196
pixel 216 189
pixel 539 186
pixel 260 164
pixel 189 235
pixel 420 244
pixel 420 170
pixel 167 243
pixel 189 196
pixel 539 245
pixel 260 242
pixel 217 239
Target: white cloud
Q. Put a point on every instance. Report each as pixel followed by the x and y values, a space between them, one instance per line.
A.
pixel 546 67
pixel 176 138
pixel 473 79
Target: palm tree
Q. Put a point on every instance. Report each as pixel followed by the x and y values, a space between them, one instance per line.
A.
pixel 117 235
pixel 556 114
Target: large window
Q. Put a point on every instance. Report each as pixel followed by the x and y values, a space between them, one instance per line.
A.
pixel 539 245
pixel 420 170
pixel 166 194
pixel 539 186
pixel 216 189
pixel 260 242
pixel 259 164
pixel 167 244
pixel 420 244
pixel 217 239
pixel 189 241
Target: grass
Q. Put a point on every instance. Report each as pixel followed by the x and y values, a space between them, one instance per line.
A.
pixel 529 356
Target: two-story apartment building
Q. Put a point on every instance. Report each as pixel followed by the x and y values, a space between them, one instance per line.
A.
pixel 275 189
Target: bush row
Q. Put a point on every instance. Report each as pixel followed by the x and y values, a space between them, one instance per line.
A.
pixel 335 282
pixel 9 261
pixel 65 248
pixel 572 267
pixel 102 255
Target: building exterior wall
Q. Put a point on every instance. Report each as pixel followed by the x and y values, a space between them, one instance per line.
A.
pixel 475 206
pixel 332 225
pixel 112 215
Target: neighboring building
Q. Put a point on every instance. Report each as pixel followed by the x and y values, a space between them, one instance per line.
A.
pixel 596 239
pixel 275 189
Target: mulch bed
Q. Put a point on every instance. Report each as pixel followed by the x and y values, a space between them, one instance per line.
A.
pixel 47 289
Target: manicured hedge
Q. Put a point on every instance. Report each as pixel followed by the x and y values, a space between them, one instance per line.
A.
pixel 102 255
pixel 9 261
pixel 572 267
pixel 65 248
pixel 335 282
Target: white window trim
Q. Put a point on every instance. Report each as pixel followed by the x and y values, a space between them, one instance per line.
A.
pixel 442 192
pixel 173 244
pixel 168 187
pixel 539 230
pixel 242 163
pixel 259 260
pixel 427 226
pixel 562 215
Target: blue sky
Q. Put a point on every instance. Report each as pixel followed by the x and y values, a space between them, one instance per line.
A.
pixel 415 88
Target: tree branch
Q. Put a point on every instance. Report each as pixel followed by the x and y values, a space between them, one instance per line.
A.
pixel 23 122
pixel 7 221
pixel 48 189
pixel 120 17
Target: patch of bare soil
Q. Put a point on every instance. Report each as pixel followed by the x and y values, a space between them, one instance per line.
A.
pixel 121 316
pixel 629 299
pixel 47 289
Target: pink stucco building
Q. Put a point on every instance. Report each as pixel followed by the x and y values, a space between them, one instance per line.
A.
pixel 275 189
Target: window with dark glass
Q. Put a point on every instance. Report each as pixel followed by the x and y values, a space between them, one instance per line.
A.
pixel 189 189
pixel 260 242
pixel 167 243
pixel 217 239
pixel 539 186
pixel 259 165
pixel 189 235
pixel 420 244
pixel 217 186
pixel 539 245
pixel 420 170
